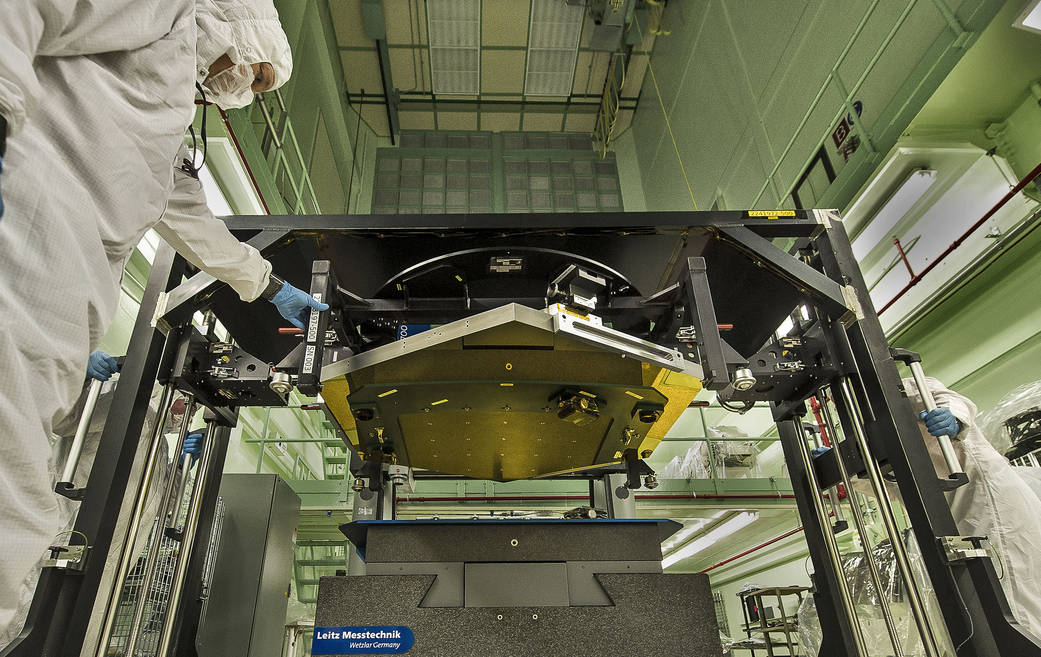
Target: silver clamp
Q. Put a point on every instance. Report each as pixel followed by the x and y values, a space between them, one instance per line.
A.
pixel 960 548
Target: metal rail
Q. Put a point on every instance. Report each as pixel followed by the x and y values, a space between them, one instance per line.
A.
pixel 949 456
pixel 157 538
pixel 831 545
pixel 157 442
pixel 67 475
pixel 191 525
pixel 865 540
pixel 885 508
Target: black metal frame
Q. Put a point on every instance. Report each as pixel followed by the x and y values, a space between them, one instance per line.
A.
pixel 843 340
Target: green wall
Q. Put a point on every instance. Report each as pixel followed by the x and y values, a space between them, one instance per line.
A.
pixel 326 127
pixel 753 90
pixel 985 339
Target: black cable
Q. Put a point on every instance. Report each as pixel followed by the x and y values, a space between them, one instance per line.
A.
pixel 354 153
pixel 747 406
pixel 189 166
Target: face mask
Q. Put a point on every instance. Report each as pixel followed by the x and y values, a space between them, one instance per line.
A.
pixel 231 88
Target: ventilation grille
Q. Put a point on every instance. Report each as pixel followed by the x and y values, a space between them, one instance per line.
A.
pixel 555 31
pixel 455 46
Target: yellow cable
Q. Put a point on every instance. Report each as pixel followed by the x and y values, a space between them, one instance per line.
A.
pixel 668 124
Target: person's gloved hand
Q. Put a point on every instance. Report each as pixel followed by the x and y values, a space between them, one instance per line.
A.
pixel 940 422
pixel 193 446
pixel 818 451
pixel 294 304
pixel 101 366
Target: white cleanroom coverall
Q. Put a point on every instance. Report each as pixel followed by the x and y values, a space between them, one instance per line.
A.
pixel 996 503
pixel 97 95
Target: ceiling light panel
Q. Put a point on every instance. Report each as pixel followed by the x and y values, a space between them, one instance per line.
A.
pixel 1030 19
pixel 455 46
pixel 881 226
pixel 553 37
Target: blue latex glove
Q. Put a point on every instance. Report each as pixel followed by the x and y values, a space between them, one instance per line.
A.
pixel 193 446
pixel 295 305
pixel 940 422
pixel 818 451
pixel 101 366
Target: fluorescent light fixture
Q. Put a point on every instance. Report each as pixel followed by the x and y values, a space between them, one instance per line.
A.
pixel 554 33
pixel 735 524
pixel 911 190
pixel 1030 19
pixel 690 526
pixel 214 196
pixel 148 244
pixel 454 27
pixel 225 174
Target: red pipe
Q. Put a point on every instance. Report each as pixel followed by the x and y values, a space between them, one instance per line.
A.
pixel 571 498
pixel 956 243
pixel 903 255
pixel 712 496
pixel 245 162
pixel 242 155
pixel 755 549
pixel 816 408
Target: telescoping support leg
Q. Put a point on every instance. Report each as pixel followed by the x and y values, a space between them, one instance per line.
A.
pixel 878 488
pixel 156 540
pixel 842 629
pixel 840 524
pixel 158 441
pixel 191 525
pixel 865 539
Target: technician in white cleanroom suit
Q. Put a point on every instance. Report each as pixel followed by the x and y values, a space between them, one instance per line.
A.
pixel 995 503
pixel 95 98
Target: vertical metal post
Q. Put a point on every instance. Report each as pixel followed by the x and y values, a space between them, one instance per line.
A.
pixel 158 441
pixel 949 457
pixel 610 493
pixel 833 493
pixel 182 488
pixel 831 546
pixel 885 508
pixel 93 392
pixel 865 540
pixel 706 328
pixel 191 524
pixel 155 541
pixel 367 505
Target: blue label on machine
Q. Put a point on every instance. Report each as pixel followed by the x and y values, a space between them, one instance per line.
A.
pixel 366 640
pixel 406 330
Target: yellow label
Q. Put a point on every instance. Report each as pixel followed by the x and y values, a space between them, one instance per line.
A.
pixel 773 214
pixel 568 311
